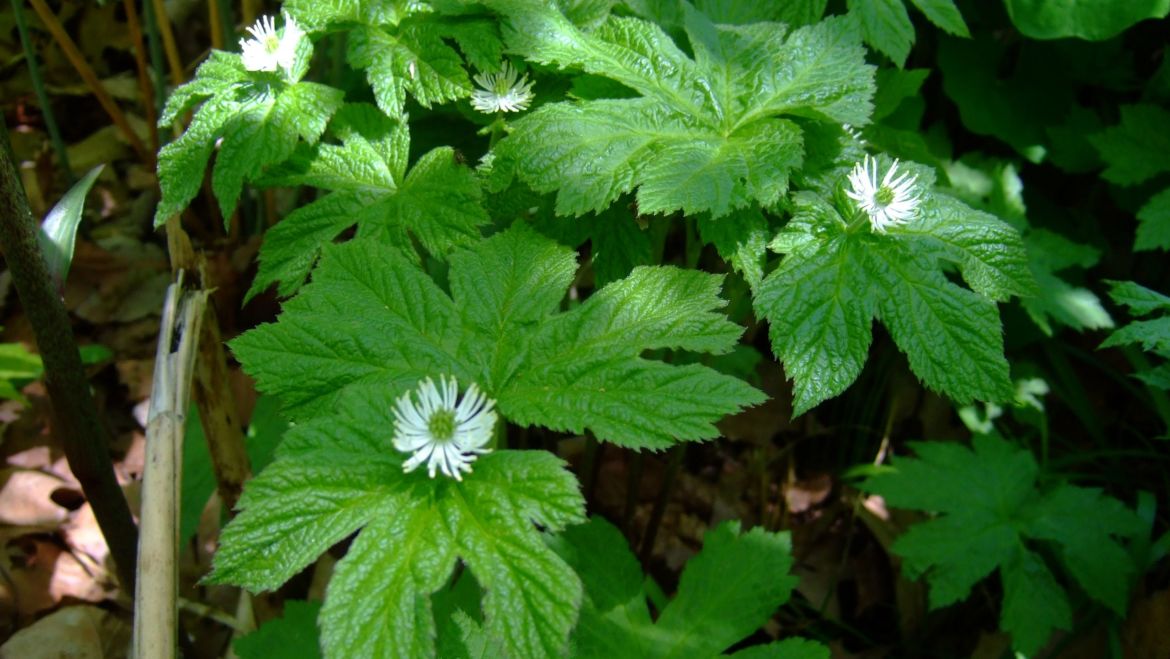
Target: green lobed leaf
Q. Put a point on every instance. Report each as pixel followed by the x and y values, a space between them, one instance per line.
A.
pixel 291 636
pixel 182 162
pixel 530 279
pixel 1034 604
pixel 634 403
pixel 371 320
pixel 479 40
pixel 1136 149
pixel 532 596
pixel 721 597
pixel 1070 305
pixel 1081 521
pixel 411 58
pixel 1087 19
pixel 315 15
pixel 378 603
pixel 438 201
pixel 215 77
pixel 989 507
pixel 944 14
pixel 1153 334
pixel 820 311
pixel 952 337
pixel 1140 300
pixel 338 474
pixel 886 26
pixel 989 252
pixel 255 123
pixel 894 86
pixel 330 478
pixel 1153 230
pixel 837 277
pixel 705 135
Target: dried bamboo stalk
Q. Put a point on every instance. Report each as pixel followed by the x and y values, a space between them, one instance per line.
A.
pixel 156 595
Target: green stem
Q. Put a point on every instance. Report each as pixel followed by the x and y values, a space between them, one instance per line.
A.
pixel 34 73
pixel 498 128
pixel 226 22
pixel 158 66
pixel 76 422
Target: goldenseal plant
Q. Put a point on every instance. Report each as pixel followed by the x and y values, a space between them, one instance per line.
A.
pixel 434 429
pixel 268 51
pixel 718 166
pixel 890 203
pixel 502 91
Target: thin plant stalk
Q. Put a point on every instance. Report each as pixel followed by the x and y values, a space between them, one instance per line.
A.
pixel 38 83
pixel 633 489
pixel 227 23
pixel 216 24
pixel 211 390
pixel 672 467
pixel 248 11
pixel 156 596
pixel 73 54
pixel 145 85
pixel 76 422
pixel 157 66
pixel 590 465
pixel 163 23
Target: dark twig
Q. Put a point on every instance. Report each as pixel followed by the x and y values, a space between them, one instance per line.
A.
pixel 75 417
pixel 672 467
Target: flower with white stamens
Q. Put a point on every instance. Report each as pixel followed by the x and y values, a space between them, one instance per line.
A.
pixel 892 202
pixel 436 429
pixel 502 92
pixel 268 51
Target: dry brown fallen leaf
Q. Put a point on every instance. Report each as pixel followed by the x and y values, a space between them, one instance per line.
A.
pixel 25 497
pixel 75 632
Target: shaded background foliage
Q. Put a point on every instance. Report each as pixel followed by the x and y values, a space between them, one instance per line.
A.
pixel 1063 137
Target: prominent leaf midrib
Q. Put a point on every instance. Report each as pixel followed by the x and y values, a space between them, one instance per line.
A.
pixel 490 537
pixel 401 566
pixel 967 253
pixel 763 108
pixel 652 85
pixel 362 507
pixel 913 283
pixel 598 346
pixel 622 130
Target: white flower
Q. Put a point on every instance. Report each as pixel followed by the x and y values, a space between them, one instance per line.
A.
pixel 892 202
pixel 501 92
pixel 445 435
pixel 266 51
